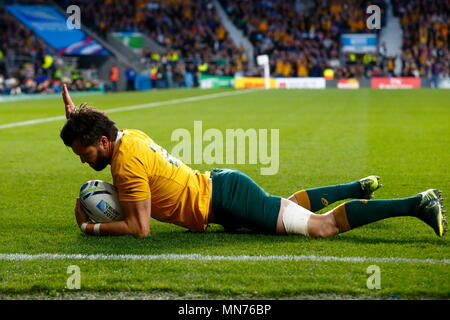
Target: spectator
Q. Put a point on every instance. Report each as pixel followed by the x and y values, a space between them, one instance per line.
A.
pixel 113 78
pixel 426 41
pixel 130 74
pixel 28 65
pixel 180 26
pixel 309 39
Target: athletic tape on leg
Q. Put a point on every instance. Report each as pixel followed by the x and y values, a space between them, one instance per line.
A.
pixel 295 219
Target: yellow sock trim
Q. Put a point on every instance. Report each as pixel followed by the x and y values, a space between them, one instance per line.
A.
pixel 340 215
pixel 303 199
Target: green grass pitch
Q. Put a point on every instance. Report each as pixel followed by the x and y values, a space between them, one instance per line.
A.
pixel 326 137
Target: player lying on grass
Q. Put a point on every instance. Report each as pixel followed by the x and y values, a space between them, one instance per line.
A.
pixel 152 183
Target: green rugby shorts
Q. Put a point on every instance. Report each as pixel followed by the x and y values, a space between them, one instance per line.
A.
pixel 238 202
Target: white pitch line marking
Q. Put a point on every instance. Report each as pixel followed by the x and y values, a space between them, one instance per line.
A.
pixel 132 107
pixel 200 257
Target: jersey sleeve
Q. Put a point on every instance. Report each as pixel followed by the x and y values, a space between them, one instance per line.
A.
pixel 131 179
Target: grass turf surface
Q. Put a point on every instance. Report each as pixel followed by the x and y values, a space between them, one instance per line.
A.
pixel 326 137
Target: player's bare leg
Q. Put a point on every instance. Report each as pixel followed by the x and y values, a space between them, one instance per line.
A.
pixel 426 206
pixel 296 219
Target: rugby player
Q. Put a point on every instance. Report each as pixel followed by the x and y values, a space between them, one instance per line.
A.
pixel 152 183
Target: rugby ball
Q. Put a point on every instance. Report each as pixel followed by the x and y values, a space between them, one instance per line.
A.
pixel 100 201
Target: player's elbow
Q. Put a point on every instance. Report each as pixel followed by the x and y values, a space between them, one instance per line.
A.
pixel 142 233
pixel 139 230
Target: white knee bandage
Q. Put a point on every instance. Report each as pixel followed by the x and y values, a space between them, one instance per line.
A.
pixel 295 219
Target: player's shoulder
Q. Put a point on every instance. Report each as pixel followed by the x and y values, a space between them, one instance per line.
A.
pixel 135 137
pixel 135 134
pixel 132 149
pixel 132 142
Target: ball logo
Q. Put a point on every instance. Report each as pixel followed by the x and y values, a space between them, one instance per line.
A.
pixel 103 206
pixel 107 210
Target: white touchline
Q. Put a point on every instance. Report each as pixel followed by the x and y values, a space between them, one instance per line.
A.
pixel 129 108
pixel 200 257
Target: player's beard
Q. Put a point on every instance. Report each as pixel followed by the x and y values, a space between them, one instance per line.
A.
pixel 101 162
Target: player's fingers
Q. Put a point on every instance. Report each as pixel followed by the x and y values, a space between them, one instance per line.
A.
pixel 78 204
pixel 65 90
pixel 65 93
pixel 67 101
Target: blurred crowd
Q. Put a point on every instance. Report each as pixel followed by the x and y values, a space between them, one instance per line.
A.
pixel 193 29
pixel 302 39
pixel 28 65
pixel 189 30
pixel 426 41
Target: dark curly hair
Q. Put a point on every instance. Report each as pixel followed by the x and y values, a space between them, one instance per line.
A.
pixel 87 125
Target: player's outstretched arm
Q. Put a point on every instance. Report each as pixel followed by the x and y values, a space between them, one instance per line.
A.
pixel 68 103
pixel 136 222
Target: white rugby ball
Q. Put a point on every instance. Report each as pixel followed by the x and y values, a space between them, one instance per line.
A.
pixel 100 201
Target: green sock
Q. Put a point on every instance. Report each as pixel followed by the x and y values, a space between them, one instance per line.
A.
pixel 356 213
pixel 315 199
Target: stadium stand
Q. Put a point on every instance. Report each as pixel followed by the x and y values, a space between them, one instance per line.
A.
pixel 193 31
pixel 426 41
pixel 21 58
pixel 29 65
pixel 190 31
pixel 305 41
pixel 302 38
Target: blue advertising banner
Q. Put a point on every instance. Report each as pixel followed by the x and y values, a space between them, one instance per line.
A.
pixel 51 26
pixel 359 42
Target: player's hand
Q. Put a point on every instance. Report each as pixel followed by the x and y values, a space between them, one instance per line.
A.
pixel 68 103
pixel 80 215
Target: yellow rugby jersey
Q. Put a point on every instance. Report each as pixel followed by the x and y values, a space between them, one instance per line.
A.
pixel 141 169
